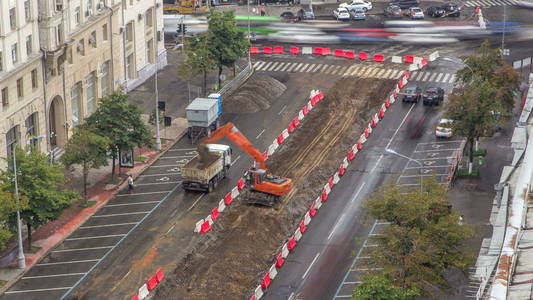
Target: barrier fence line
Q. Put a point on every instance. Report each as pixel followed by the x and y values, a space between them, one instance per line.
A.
pixel 149 285
pixel 292 241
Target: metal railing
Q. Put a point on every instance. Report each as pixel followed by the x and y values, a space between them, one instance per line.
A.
pixel 236 82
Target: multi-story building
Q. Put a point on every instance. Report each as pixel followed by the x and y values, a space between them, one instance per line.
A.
pixel 22 113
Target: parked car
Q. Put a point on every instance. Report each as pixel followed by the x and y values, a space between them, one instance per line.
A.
pixel 358 14
pixel 392 11
pixel 452 9
pixel 353 4
pixel 405 4
pixel 341 13
pixel 433 96
pixel 435 12
pixel 444 128
pixel 306 13
pixel 289 16
pixel 415 13
pixel 412 94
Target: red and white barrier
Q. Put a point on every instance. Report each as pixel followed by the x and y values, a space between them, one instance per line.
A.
pixel 149 286
pixel 205 225
pixel 292 241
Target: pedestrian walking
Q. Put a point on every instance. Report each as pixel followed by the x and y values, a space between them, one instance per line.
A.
pixel 263 12
pixel 130 183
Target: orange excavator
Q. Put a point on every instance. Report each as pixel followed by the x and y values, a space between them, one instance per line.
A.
pixel 263 187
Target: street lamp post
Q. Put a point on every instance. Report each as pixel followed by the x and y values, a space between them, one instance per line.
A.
pixel 249 34
pixel 411 159
pixel 21 258
pixel 158 136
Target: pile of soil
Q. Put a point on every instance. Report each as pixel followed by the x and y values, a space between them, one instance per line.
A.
pixel 244 242
pixel 257 94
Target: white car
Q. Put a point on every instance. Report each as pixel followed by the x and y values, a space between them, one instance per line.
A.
pixel 341 13
pixel 353 4
pixel 415 13
pixel 444 129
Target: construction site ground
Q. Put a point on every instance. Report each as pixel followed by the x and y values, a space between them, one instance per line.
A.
pixel 243 243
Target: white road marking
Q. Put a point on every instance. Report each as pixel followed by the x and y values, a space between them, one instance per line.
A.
pixel 132 203
pixel 304 67
pixel 275 64
pixel 310 68
pixel 83 249
pixel 377 164
pixel 94 237
pixel 122 214
pixel 282 109
pixel 426 76
pixel 453 78
pixel 418 167
pixel 162 166
pixel 373 72
pixel 398 129
pixel 260 133
pixel 257 63
pixel 291 296
pixel 233 162
pixel 179 156
pixel 418 76
pixel 127 274
pixel 311 265
pixel 298 67
pixel 171 228
pixel 55 275
pixel 352 282
pixel 409 176
pixel 147 193
pixel 152 183
pixel 166 174
pixel 355 70
pixel 107 225
pixel 266 66
pixel 37 290
pixel 286 67
pixel 181 149
pixel 196 201
pixel 439 77
pixel 340 219
pixel 68 262
pixel 438 150
pixel 432 77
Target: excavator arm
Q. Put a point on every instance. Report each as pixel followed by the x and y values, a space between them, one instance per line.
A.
pixel 230 131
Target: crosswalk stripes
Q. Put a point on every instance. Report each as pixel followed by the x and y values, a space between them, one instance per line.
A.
pixel 445 77
pixel 285 67
pixel 279 67
pixel 432 77
pixel 489 3
pixel 272 66
pixel 438 77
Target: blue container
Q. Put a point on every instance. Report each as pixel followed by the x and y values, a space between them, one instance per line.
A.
pixel 218 98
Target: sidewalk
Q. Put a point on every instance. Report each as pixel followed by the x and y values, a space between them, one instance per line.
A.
pixel 48 236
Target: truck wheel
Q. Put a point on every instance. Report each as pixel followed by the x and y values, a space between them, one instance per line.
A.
pixel 210 187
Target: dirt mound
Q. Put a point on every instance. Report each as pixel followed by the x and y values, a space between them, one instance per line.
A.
pixel 246 239
pixel 257 94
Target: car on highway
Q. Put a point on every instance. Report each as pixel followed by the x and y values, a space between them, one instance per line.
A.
pixel 452 9
pixel 306 13
pixel 405 4
pixel 357 14
pixel 435 11
pixel 289 16
pixel 412 94
pixel 433 96
pixel 444 128
pixel 341 14
pixel 415 13
pixel 392 11
pixel 353 4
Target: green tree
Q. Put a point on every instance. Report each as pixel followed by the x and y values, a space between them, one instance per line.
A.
pixel 199 60
pixel 86 149
pixel 225 41
pixel 38 182
pixel 9 205
pixel 424 238
pixel 152 119
pixel 120 121
pixel 381 287
pixel 475 113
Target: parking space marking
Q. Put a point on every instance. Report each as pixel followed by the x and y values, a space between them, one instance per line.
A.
pixel 67 262
pixel 436 150
pixel 162 166
pixel 152 183
pixel 135 194
pixel 153 175
pixel 418 167
pixel 420 175
pixel 107 225
pixel 37 290
pixel 132 203
pixel 55 275
pixel 440 142
pixel 122 214
pixel 179 156
pixel 94 237
pixel 84 249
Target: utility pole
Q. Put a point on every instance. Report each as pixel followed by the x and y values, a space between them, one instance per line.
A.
pixel 249 36
pixel 21 258
pixel 504 29
pixel 158 136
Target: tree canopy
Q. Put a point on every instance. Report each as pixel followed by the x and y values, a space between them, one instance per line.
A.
pixel 381 287
pixel 199 60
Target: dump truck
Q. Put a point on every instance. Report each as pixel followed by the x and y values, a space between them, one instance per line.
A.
pixel 203 173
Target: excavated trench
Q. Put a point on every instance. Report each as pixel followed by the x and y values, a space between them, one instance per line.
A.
pixel 244 241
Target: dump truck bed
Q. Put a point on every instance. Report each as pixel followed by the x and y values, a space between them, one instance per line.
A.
pixel 202 172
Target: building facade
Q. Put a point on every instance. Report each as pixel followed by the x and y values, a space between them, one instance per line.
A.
pixel 58 57
pixel 23 113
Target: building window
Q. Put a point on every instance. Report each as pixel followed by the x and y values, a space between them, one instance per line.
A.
pixel 149 18
pixel 12 139
pixel 92 39
pixel 5 97
pixel 104 32
pixel 129 32
pixel 89 81
pixel 59 5
pixel 130 68
pixel 81 47
pixel 60 33
pixel 34 79
pixel 1 61
pixel 12 18
pixel 27 10
pixel 31 130
pixel 20 87
pixel 75 103
pixel 150 51
pixel 89 8
pixel 77 16
pixel 104 73
pixel 29 45
pixel 14 53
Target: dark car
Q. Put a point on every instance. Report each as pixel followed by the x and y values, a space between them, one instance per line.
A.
pixel 435 12
pixel 404 4
pixel 306 13
pixel 289 16
pixel 452 9
pixel 392 11
pixel 433 96
pixel 412 94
